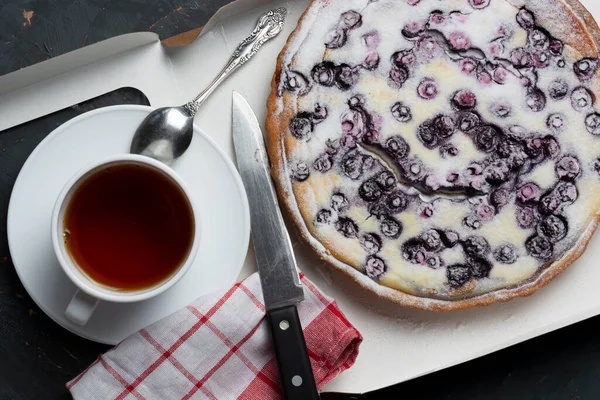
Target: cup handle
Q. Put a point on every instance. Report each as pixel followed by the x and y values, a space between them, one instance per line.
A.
pixel 81 308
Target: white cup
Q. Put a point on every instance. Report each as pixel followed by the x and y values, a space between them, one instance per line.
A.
pixel 90 293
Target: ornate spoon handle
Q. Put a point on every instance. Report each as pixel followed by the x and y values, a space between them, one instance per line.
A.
pixel 269 25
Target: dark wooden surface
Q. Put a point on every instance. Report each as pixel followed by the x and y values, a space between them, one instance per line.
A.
pixel 37 356
pixel 35 30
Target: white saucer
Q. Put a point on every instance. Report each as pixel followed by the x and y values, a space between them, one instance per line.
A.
pixel 214 184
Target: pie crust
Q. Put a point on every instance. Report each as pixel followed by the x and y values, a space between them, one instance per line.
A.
pixel 444 155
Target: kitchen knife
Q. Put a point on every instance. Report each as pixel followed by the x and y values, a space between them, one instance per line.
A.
pixel 281 285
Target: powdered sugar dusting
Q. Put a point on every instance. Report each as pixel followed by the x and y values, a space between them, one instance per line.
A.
pixel 411 142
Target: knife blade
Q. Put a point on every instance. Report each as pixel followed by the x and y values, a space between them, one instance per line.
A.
pixel 279 279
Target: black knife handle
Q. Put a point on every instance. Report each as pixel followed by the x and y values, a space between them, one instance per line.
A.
pixel 296 374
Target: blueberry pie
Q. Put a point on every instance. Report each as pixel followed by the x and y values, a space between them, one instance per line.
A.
pixel 444 154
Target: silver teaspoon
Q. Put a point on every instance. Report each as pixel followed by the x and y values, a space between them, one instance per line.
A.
pixel 166 133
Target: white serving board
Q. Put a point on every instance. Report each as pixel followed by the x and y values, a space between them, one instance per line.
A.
pixel 399 344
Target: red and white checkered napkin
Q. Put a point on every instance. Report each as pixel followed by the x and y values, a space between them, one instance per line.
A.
pixel 218 347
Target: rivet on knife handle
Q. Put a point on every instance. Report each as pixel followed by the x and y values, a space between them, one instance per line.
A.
pixel 295 371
